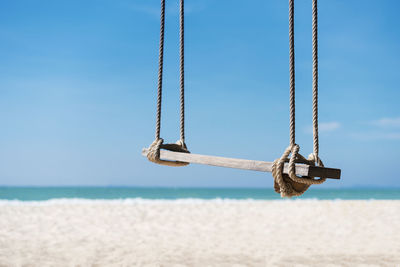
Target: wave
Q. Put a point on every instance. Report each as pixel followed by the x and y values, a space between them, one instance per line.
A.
pixel 133 201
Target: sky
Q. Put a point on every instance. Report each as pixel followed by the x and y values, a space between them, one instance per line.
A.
pixel 78 84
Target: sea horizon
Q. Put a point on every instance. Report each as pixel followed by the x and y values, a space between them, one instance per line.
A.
pixel 43 193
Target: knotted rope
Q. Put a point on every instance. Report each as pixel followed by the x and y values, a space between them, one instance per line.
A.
pixel 153 153
pixel 180 146
pixel 289 185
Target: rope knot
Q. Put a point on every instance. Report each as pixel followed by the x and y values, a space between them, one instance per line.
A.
pixel 289 185
pixel 154 152
pixel 317 161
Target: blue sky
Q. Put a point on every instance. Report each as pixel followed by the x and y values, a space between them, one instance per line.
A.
pixel 78 84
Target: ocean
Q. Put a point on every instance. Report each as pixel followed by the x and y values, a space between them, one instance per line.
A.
pixel 46 193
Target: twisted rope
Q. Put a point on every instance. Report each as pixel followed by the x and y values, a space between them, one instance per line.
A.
pixel 180 146
pixel 182 71
pixel 289 185
pixel 160 70
pixel 292 75
pixel 153 153
pixel 315 76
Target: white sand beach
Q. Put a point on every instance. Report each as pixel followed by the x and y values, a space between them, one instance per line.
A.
pixel 199 233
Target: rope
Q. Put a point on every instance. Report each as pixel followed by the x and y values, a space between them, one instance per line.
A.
pixel 315 76
pixel 180 146
pixel 182 71
pixel 160 70
pixel 292 75
pixel 153 153
pixel 289 185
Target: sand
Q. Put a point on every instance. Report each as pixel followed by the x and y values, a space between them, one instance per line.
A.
pixel 199 233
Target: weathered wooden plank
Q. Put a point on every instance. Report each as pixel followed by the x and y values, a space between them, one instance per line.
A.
pixel 245 164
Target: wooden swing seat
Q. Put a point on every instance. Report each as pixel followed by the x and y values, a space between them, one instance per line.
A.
pixel 245 164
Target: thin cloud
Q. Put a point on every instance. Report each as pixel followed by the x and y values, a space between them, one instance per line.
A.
pixel 387 122
pixel 329 126
pixel 368 136
pixel 392 136
pixel 325 127
pixel 382 129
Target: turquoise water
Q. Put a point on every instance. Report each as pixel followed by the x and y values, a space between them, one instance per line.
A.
pixel 45 193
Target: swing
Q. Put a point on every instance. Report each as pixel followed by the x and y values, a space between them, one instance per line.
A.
pixel 292 175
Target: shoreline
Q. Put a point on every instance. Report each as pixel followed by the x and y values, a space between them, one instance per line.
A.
pixel 46 193
pixel 139 200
